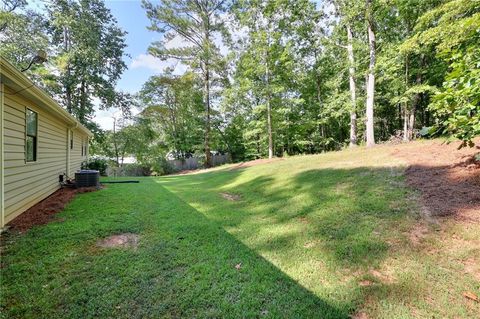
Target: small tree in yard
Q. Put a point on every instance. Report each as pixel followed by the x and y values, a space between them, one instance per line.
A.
pixel 196 23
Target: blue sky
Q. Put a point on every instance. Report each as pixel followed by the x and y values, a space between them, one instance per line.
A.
pixel 132 18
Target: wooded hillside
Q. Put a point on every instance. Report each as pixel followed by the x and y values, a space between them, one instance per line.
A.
pixel 264 78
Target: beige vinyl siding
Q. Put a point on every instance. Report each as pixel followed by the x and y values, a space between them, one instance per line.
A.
pixel 2 147
pixel 29 183
pixel 76 158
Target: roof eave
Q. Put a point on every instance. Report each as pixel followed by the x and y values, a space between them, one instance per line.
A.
pixel 39 95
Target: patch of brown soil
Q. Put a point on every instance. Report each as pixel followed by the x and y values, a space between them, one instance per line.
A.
pixel 44 211
pixel 231 197
pixel 303 220
pixel 448 178
pixel 383 277
pixel 309 244
pixel 365 283
pixel 417 234
pixel 127 240
pixel 257 162
pixel 473 268
pixel 359 315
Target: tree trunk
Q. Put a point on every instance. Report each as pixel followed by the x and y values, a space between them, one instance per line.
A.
pixel 416 101
pixel 371 78
pixel 269 126
pixel 353 89
pixel 208 155
pixel 83 107
pixel 115 142
pixel 206 48
pixel 405 123
pixel 405 109
pixel 269 107
pixel 319 100
pixel 68 88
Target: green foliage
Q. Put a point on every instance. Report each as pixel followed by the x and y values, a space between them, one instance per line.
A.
pixel 136 169
pixel 173 108
pixel 22 32
pixel 85 49
pixel 97 163
pixel 287 62
pixel 198 23
pixel 89 48
pixel 160 166
pixel 458 104
pixel 453 30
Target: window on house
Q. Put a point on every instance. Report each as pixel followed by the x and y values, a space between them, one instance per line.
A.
pixel 71 140
pixel 86 148
pixel 31 142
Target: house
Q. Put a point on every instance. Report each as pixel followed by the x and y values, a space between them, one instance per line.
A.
pixel 39 143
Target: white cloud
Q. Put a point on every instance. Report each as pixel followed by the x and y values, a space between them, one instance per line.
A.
pixel 148 61
pixel 155 64
pixel 176 42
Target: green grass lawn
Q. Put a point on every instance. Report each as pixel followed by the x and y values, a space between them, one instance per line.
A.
pixel 324 236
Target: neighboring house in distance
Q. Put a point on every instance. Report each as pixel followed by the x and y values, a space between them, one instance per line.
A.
pixel 39 142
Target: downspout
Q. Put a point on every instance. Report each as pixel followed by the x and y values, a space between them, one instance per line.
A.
pixel 2 175
pixel 69 132
pixel 87 151
pixel 68 152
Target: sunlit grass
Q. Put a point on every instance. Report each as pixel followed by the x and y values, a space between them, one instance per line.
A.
pixel 322 236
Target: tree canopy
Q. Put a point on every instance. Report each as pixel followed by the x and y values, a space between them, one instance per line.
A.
pixel 264 78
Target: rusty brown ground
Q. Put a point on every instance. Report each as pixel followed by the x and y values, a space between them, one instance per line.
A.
pixel 44 211
pixel 447 178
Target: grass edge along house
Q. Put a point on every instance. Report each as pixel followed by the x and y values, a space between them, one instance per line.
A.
pixel 39 142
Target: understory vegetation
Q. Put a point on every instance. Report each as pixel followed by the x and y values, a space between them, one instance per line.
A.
pixel 319 236
pixel 263 78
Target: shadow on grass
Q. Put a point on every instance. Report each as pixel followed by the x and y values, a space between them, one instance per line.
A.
pixel 349 212
pixel 186 266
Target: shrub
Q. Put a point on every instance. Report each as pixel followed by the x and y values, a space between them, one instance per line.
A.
pixel 135 170
pixel 96 163
pixel 162 167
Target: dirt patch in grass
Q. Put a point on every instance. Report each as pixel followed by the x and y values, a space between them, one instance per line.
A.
pixel 231 197
pixel 359 315
pixel 448 178
pixel 44 211
pixel 256 162
pixel 384 277
pixel 127 240
pixel 309 244
pixel 418 233
pixel 303 220
pixel 472 267
pixel 365 283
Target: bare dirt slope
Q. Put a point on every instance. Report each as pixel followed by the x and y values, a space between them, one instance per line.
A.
pixel 447 178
